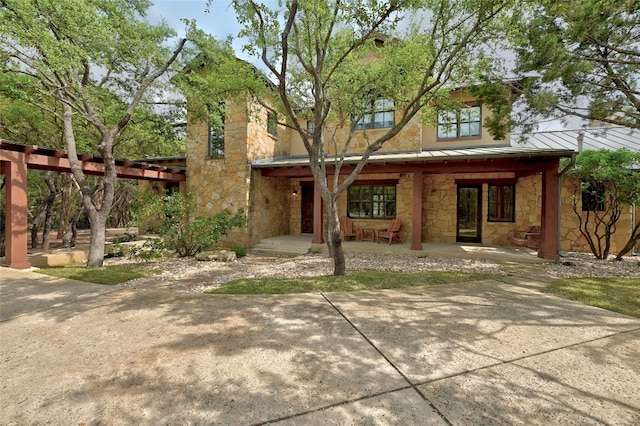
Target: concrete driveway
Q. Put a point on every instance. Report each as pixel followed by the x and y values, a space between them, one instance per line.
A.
pixel 470 354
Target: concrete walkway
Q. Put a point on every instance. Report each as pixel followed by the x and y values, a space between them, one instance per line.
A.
pixel 479 353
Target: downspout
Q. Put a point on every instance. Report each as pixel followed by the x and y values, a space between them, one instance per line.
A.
pixel 572 162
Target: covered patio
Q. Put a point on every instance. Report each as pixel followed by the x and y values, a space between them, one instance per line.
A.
pixel 499 165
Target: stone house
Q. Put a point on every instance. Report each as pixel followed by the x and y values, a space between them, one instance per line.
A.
pixel 448 184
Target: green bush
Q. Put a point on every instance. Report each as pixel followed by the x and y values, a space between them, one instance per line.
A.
pixel 240 251
pixel 150 250
pixel 179 229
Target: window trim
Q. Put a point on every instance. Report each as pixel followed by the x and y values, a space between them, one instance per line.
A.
pixel 368 121
pixel 371 202
pixel 499 204
pixel 458 122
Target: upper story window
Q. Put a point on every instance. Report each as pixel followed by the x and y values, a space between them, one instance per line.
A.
pixel 382 115
pixel 593 196
pixel 272 123
pixel 460 124
pixel 311 126
pixel 215 140
pixel 502 201
pixel 372 201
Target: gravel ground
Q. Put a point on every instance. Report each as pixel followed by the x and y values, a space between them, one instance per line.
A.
pixel 189 275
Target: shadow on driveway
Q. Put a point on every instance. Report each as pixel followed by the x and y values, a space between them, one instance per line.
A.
pixel 475 353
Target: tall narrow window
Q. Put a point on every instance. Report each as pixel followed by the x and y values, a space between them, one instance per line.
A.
pixel 501 203
pixel 311 126
pixel 593 196
pixel 382 115
pixel 460 124
pixel 272 123
pixel 372 201
pixel 216 130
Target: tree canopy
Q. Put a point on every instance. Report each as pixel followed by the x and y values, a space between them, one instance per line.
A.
pixel 94 62
pixel 584 59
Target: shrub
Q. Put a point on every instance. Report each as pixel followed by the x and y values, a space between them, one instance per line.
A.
pixel 240 251
pixel 179 229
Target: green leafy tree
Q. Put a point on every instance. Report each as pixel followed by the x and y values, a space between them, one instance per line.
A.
pixel 610 182
pixel 97 59
pixel 324 62
pixel 173 218
pixel 584 56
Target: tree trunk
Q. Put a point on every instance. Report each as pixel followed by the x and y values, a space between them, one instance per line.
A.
pixel 98 214
pixel 36 225
pixel 633 239
pixel 96 241
pixel 51 198
pixel 65 204
pixel 334 238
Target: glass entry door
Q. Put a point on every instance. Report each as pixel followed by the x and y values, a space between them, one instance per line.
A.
pixel 469 214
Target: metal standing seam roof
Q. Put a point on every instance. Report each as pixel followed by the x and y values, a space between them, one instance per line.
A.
pixel 611 138
pixel 555 143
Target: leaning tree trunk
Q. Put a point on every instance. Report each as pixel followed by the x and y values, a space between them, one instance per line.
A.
pixel 631 243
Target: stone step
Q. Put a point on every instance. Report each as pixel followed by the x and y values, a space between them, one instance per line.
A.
pixel 281 247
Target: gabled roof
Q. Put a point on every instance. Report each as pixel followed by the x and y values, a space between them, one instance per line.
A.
pixel 611 138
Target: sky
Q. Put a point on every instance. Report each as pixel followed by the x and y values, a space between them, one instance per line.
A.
pixel 220 21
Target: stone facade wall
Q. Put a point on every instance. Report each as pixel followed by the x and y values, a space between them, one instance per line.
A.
pixel 269 213
pixel 227 181
pixel 409 139
pixel 439 209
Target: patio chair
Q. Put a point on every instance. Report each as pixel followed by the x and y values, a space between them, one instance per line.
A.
pixel 529 238
pixel 346 228
pixel 392 232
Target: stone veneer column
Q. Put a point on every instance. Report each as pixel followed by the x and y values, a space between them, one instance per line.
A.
pixel 416 226
pixel 16 212
pixel 549 214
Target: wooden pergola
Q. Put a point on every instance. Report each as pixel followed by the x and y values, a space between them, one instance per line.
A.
pixel 16 159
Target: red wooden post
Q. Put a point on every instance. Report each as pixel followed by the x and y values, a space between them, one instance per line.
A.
pixel 416 225
pixel 549 215
pixel 16 212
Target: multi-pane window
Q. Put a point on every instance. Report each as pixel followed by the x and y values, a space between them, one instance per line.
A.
pixel 216 131
pixel 372 201
pixel 593 196
pixel 501 203
pixel 272 123
pixel 382 115
pixel 460 124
